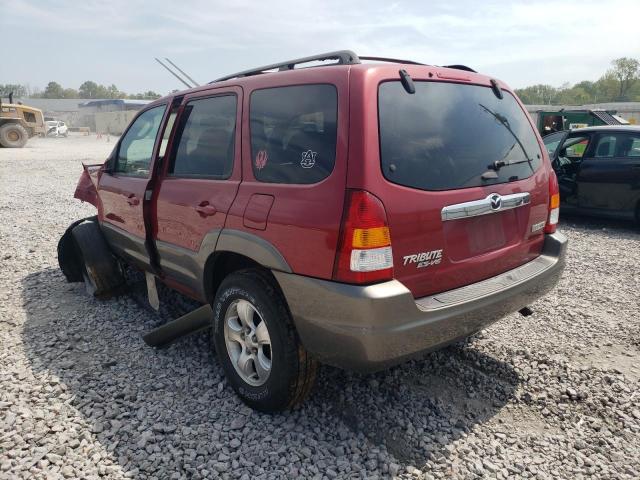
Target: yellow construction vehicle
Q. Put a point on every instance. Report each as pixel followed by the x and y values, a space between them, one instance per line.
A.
pixel 18 123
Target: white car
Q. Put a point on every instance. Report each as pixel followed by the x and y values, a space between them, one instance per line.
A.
pixel 56 128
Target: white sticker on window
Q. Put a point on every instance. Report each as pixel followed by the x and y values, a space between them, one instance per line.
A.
pixel 308 159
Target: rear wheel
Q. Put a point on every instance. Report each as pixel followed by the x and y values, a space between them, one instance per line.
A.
pixel 13 135
pixel 257 344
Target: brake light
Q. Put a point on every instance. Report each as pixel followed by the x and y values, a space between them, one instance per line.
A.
pixel 364 250
pixel 554 204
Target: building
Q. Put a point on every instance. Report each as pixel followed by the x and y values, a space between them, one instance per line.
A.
pixel 65 109
pixel 109 116
pixel 100 115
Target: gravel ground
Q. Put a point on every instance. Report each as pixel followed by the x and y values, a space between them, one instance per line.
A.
pixel 554 395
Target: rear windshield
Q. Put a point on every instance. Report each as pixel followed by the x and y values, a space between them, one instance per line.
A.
pixel 446 135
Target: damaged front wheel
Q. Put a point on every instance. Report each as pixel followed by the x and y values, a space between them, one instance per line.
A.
pixel 84 256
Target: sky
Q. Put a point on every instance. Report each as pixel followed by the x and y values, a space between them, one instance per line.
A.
pixel 522 43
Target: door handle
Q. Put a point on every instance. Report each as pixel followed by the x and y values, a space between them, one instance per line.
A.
pixel 205 209
pixel 133 200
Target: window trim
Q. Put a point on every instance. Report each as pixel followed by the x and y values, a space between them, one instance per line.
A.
pixel 335 158
pixel 179 126
pixel 114 170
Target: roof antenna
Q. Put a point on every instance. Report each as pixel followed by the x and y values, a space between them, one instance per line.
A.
pixel 175 74
pixel 182 72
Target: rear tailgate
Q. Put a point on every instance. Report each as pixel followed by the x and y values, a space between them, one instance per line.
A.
pixel 466 188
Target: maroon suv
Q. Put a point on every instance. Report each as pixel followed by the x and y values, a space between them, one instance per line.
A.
pixel 354 214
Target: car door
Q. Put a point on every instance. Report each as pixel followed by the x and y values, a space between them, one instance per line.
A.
pixel 609 177
pixel 122 186
pixel 567 162
pixel 200 181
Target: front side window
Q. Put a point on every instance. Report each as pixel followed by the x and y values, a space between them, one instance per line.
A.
pixel 207 137
pixel 293 133
pixel 136 147
pixel 448 135
pixel 575 147
pixel 552 141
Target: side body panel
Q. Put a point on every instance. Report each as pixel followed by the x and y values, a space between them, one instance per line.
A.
pixel 121 209
pixel 609 185
pixel 284 227
pixel 303 220
pixel 189 213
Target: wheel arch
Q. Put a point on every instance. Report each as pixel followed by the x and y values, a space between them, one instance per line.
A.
pixel 237 250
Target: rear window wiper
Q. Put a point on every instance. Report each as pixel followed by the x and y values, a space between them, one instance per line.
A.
pixel 494 167
pixel 498 164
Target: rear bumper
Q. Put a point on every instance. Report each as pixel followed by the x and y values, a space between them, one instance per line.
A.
pixel 368 328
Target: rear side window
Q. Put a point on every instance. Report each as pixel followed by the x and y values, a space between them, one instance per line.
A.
pixel 619 145
pixel 293 133
pixel 207 134
pixel 446 135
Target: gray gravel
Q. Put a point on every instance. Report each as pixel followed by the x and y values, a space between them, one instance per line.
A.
pixel 554 395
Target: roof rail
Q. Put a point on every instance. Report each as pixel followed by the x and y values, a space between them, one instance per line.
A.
pixel 343 57
pixel 391 60
pixel 460 67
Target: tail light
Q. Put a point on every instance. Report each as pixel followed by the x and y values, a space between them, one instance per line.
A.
pixel 554 204
pixel 364 249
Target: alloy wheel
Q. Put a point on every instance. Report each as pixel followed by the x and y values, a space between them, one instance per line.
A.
pixel 248 342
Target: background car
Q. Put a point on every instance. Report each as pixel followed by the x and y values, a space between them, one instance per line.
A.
pixel 56 128
pixel 598 170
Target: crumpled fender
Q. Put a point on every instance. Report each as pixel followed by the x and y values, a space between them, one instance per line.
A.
pixel 86 188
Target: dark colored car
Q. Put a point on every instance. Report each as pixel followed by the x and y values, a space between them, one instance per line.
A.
pixel 356 214
pixel 598 170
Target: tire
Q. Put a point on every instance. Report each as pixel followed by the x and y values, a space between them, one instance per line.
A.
pixel 101 271
pixel 13 135
pixel 291 372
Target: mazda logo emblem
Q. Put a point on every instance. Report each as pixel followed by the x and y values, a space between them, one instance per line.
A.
pixel 496 201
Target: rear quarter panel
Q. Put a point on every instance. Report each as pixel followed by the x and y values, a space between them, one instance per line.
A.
pixel 304 220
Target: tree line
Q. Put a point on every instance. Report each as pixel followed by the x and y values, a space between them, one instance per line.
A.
pixel 621 83
pixel 88 90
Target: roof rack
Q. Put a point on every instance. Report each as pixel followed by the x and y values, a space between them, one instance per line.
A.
pixel 460 67
pixel 343 57
pixel 391 60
